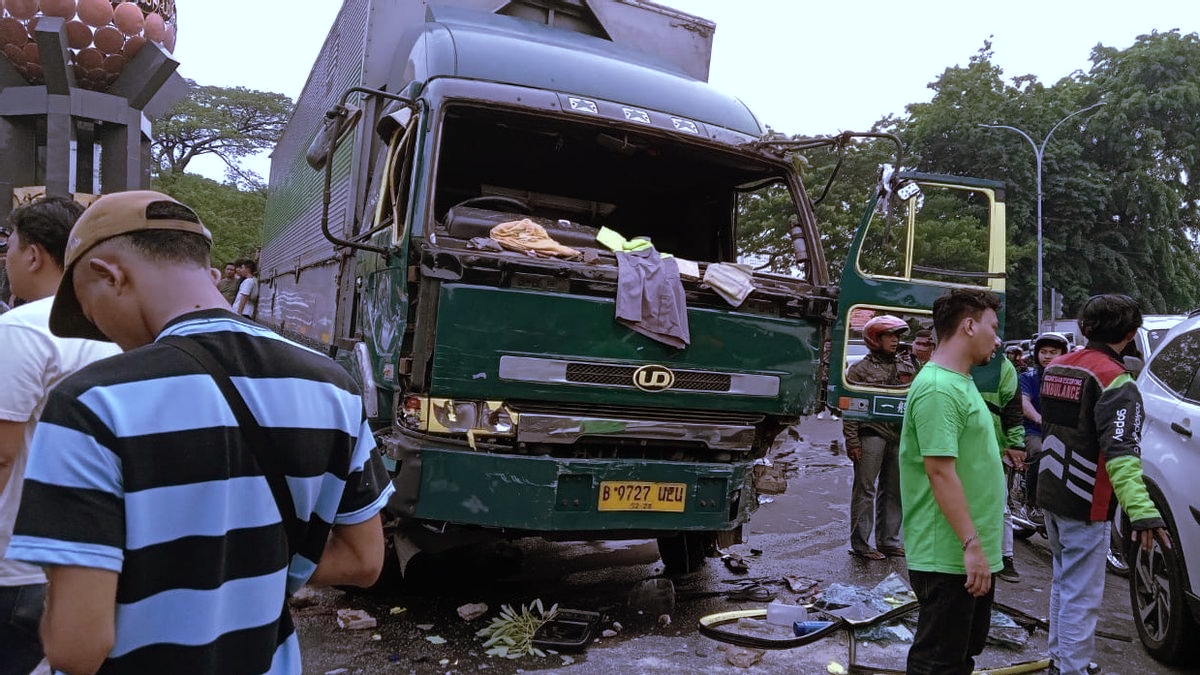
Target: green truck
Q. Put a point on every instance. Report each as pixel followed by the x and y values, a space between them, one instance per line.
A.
pixel 508 399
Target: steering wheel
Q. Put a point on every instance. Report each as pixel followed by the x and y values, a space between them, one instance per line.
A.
pixel 519 204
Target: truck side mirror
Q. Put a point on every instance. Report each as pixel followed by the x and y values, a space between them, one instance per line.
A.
pixel 338 121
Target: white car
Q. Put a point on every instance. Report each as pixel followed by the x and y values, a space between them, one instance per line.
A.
pixel 1164 587
pixel 1154 328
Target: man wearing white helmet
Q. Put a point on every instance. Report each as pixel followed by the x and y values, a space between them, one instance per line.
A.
pixel 1046 348
pixel 874 446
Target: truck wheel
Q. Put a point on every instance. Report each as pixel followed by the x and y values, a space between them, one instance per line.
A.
pixel 685 552
pixel 1159 602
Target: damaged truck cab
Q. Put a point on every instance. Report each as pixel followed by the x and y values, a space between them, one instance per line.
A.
pixel 507 397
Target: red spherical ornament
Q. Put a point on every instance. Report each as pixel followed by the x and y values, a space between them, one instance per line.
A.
pixel 133 45
pixel 128 17
pixel 90 58
pixel 12 32
pixel 156 28
pixel 60 8
pixel 95 13
pixel 21 9
pixel 15 54
pixel 78 34
pixel 109 40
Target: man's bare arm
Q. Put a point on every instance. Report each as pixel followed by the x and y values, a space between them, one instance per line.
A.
pixel 12 438
pixel 79 625
pixel 948 492
pixel 353 555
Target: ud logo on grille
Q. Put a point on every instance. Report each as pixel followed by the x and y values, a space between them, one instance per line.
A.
pixel 653 378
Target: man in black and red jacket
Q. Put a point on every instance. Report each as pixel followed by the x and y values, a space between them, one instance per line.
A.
pixel 1091 425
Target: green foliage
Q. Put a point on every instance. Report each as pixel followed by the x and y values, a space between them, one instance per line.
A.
pixel 763 217
pixel 510 635
pixel 233 216
pixel 228 122
pixel 1120 210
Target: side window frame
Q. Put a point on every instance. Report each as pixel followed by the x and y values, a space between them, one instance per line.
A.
pixel 1176 353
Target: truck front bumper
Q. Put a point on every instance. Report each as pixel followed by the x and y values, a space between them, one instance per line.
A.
pixel 560 495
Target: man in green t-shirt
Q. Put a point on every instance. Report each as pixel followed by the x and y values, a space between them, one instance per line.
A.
pixel 952 488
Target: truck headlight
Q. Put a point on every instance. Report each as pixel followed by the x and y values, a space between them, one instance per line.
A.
pixel 456 416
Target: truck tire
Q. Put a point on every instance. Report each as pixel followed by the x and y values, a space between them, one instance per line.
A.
pixel 684 553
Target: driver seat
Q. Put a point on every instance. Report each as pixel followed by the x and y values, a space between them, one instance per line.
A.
pixel 468 222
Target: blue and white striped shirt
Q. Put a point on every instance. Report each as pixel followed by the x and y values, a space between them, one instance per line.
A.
pixel 138 466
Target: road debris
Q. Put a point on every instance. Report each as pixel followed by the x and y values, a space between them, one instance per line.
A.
pixel 652 596
pixel 735 563
pixel 355 619
pixel 799 584
pixel 305 597
pixel 397 610
pixel 435 639
pixel 472 610
pixel 742 657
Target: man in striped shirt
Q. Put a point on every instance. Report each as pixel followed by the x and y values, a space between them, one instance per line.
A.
pixel 163 544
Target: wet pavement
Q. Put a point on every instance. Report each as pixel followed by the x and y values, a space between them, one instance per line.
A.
pixel 802 532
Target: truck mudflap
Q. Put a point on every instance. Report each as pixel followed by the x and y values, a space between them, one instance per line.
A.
pixel 563 495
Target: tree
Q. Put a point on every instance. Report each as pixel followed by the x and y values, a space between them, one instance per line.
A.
pixel 764 215
pixel 1148 140
pixel 1121 208
pixel 228 122
pixel 233 216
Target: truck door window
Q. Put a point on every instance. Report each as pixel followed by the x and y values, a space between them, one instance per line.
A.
pixel 864 376
pixel 942 234
pixel 388 201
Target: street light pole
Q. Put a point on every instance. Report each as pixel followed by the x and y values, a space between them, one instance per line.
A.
pixel 1038 153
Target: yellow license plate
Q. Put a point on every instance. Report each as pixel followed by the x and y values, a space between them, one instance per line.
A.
pixel 632 495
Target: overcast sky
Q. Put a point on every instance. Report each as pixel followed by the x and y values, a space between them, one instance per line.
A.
pixel 803 67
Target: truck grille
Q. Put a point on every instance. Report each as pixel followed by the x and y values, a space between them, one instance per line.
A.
pixel 693 380
pixel 550 370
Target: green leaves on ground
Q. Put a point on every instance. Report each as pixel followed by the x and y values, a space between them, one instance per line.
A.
pixel 510 635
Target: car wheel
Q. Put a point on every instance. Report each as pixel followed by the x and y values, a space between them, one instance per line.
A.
pixel 1160 611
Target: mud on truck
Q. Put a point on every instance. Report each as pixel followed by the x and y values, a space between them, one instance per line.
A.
pixel 430 142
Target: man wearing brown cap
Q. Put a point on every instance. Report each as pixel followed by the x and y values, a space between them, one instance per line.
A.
pixel 163 496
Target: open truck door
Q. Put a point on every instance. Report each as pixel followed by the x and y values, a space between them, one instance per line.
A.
pixel 922 234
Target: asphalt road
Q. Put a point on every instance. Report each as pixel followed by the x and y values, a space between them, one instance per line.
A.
pixel 802 532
